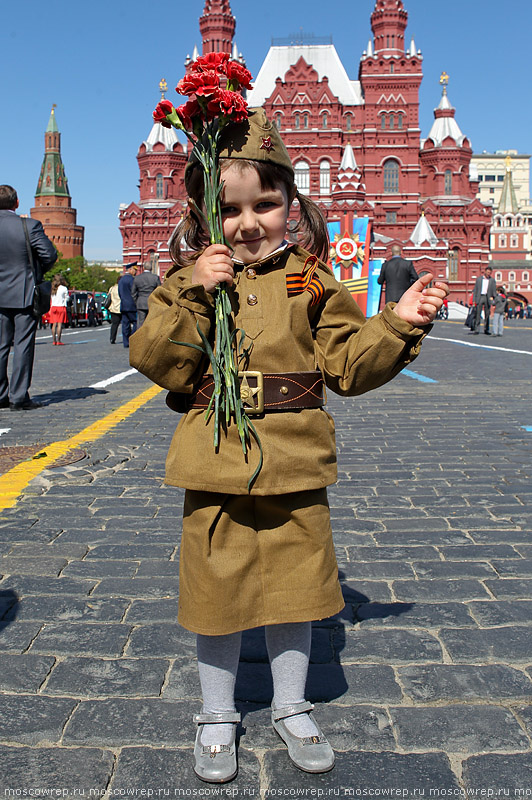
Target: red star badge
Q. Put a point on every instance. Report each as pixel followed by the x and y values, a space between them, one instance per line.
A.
pixel 266 143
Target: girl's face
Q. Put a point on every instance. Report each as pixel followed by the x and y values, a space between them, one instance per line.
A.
pixel 254 219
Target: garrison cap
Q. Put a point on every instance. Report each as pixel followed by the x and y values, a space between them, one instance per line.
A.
pixel 256 139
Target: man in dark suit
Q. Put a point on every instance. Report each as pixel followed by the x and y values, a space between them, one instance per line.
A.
pixel 484 294
pixel 398 275
pixel 17 285
pixel 127 304
pixel 143 286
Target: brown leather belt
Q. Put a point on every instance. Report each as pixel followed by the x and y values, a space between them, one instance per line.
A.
pixel 262 392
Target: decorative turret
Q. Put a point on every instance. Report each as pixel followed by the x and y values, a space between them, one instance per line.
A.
pixel 217 27
pixel 388 23
pixel 52 180
pixel 444 124
pixel 423 233
pixel 508 203
pixel 52 197
pixel 349 184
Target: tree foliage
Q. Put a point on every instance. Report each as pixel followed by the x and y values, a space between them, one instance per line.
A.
pixel 78 274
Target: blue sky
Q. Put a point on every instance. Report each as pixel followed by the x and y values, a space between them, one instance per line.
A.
pixel 101 63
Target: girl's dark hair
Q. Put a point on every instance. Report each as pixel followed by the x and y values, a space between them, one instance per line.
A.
pixel 190 234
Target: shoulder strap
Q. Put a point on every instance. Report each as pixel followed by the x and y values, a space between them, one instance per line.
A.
pixel 28 247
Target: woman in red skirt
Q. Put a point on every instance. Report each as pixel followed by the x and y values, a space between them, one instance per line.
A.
pixel 58 312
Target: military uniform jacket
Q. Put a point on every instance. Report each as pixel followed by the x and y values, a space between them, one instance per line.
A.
pixel 319 329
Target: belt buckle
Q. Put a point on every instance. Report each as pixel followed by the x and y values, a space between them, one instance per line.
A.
pixel 252 396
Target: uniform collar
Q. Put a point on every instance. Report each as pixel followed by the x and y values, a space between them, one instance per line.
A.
pixel 280 250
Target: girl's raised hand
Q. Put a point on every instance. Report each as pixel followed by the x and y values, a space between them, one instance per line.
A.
pixel 213 267
pixel 420 304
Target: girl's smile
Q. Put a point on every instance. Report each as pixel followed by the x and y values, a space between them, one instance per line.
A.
pixel 254 219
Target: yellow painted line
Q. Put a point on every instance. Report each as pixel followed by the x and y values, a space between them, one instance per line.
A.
pixel 16 479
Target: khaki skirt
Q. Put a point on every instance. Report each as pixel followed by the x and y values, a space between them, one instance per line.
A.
pixel 248 560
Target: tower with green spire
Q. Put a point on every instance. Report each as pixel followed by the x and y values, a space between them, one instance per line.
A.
pixel 53 204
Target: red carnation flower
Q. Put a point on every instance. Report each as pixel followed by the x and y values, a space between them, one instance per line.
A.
pixel 164 107
pixel 199 83
pixel 228 104
pixel 236 72
pixel 212 61
pixel 189 112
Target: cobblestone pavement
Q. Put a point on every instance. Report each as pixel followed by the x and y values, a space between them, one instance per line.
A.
pixel 423 683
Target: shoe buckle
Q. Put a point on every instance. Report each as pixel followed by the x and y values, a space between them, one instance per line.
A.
pixel 252 395
pixel 215 748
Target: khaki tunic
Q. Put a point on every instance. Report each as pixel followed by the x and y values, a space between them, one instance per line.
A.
pixel 244 561
pixel 287 334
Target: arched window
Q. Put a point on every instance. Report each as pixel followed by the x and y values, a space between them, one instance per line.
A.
pixel 508 222
pixel 498 277
pixel 525 277
pixel 278 121
pixel 502 240
pixel 302 176
pixel 348 122
pixel 511 276
pixel 297 121
pixel 325 120
pixel 400 121
pixel 392 121
pixel 383 121
pixel 305 120
pixel 452 265
pixel 392 67
pixel 159 187
pixel 448 177
pixel 514 240
pixel 325 177
pixel 391 176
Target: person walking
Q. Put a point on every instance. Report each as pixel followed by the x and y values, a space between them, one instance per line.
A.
pixel 114 310
pixel 499 311
pixel 397 274
pixel 143 286
pixel 17 286
pixel 58 308
pixel 127 304
pixel 483 295
pixel 260 552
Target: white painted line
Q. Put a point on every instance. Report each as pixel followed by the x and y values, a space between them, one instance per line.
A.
pixel 75 332
pixel 113 379
pixel 482 346
pixel 4 430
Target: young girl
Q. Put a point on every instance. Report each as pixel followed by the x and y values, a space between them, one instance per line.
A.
pixel 264 555
pixel 58 311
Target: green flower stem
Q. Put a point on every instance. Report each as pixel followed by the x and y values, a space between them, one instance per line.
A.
pixel 226 401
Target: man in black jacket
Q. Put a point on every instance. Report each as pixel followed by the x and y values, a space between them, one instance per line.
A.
pixel 143 286
pixel 17 285
pixel 484 294
pixel 398 275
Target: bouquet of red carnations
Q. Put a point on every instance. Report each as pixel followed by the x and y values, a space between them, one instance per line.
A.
pixel 213 84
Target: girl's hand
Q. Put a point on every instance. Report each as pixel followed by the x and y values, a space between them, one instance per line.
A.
pixel 214 266
pixel 419 304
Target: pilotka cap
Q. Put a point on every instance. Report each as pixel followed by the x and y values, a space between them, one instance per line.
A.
pixel 256 139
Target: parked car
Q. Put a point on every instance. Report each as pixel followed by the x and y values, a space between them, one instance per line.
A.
pixel 78 308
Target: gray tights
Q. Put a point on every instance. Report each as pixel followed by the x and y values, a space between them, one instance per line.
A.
pixel 288 650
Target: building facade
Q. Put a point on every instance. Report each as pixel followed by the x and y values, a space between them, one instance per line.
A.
pixel 356 147
pixel 53 204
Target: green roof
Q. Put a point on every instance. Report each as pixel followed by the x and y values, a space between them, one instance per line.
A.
pixel 52 124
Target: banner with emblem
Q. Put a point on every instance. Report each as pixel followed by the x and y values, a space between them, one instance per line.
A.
pixel 349 259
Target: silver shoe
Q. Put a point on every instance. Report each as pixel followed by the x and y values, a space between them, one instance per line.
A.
pixel 215 763
pixel 309 753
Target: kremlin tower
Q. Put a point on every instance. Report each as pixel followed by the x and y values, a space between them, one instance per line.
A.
pixel 53 204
